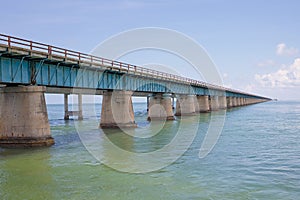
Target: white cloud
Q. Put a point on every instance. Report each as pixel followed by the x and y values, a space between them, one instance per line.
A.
pixel 266 63
pixel 283 50
pixel 225 75
pixel 286 77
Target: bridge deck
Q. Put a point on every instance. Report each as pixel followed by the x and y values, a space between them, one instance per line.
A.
pixel 28 62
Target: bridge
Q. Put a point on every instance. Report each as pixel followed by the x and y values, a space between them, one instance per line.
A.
pixel 30 69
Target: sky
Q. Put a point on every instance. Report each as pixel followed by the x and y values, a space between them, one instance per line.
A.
pixel 255 44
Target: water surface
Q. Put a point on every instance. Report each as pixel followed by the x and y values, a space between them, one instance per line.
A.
pixel 256 157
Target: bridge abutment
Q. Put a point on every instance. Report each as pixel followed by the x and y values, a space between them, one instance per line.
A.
pixel 23 117
pixel 117 110
pixel 185 105
pixel 160 107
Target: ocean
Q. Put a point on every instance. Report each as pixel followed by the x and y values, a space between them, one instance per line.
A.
pixel 255 156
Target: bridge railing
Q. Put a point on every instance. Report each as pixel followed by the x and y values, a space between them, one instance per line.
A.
pixel 53 52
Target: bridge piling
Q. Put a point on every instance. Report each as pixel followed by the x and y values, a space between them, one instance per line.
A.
pixel 222 102
pixel 185 105
pixel 229 102
pixel 73 113
pixel 117 110
pixel 160 107
pixel 214 103
pixel 203 103
pixel 234 102
pixel 23 117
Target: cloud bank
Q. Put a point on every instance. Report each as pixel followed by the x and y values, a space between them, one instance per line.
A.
pixel 285 77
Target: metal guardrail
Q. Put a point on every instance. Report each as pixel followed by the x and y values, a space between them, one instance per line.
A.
pixel 94 61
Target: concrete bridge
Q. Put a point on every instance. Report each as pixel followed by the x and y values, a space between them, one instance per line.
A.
pixel 30 69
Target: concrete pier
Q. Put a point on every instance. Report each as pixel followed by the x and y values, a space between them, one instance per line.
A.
pixel 233 100
pixel 203 104
pixel 117 110
pixel 229 102
pixel 160 107
pixel 185 105
pixel 222 102
pixel 73 113
pixel 239 99
pixel 214 103
pixel 23 117
pixel 244 101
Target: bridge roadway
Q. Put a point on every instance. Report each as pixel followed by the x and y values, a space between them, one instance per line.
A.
pixel 29 69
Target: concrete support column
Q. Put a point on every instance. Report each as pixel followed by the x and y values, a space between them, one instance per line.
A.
pixel 214 103
pixel 237 102
pixel 73 113
pixel 233 101
pixel 244 101
pixel 160 107
pixel 80 116
pixel 23 117
pixel 222 102
pixel 240 101
pixel 203 103
pixel 247 101
pixel 117 110
pixel 66 105
pixel 185 105
pixel 229 102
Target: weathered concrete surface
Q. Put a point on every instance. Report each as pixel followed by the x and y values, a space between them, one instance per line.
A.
pixel 203 104
pixel 185 105
pixel 240 101
pixel 229 102
pixel 160 107
pixel 233 100
pixel 117 110
pixel 222 102
pixel 23 117
pixel 214 103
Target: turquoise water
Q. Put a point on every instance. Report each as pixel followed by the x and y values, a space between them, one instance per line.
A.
pixel 257 156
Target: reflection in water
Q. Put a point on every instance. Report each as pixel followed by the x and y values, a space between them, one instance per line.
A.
pixel 124 150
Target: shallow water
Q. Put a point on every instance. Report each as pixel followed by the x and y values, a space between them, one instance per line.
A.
pixel 257 156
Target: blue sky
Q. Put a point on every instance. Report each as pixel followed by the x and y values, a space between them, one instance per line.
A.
pixel 255 44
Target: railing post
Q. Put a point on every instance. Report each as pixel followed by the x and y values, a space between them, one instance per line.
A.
pixel 49 50
pixel 65 54
pixel 8 41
